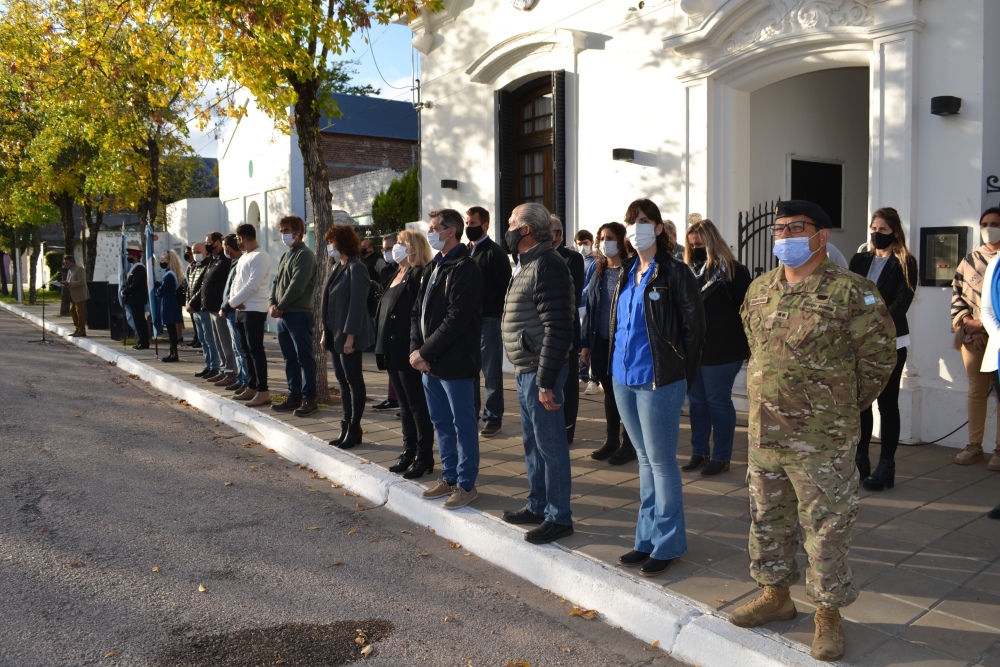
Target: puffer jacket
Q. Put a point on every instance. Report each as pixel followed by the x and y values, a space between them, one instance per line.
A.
pixel 675 320
pixel 539 315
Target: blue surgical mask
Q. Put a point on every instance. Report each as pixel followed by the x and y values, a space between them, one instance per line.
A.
pixel 288 239
pixel 793 252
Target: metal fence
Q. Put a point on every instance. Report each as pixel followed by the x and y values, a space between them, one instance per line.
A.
pixel 755 238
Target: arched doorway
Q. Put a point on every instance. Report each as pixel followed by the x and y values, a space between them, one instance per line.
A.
pixel 253 215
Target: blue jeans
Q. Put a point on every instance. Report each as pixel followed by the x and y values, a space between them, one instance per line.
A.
pixel 295 338
pixel 203 328
pixel 546 449
pixel 241 360
pixel 653 418
pixel 712 410
pixel 491 349
pixel 453 413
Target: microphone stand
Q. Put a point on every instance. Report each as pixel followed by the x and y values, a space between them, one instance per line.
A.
pixel 43 338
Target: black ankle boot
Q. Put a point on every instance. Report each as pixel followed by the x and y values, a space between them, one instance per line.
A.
pixel 419 469
pixel 403 464
pixel 345 427
pixel 864 466
pixel 624 454
pixel 609 447
pixel 352 437
pixel 884 476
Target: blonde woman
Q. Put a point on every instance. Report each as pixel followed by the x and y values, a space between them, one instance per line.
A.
pixel 166 297
pixel 392 350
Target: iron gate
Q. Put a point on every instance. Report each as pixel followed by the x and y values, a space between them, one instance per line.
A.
pixel 756 239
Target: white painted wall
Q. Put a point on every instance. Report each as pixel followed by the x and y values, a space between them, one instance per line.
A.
pixel 190 220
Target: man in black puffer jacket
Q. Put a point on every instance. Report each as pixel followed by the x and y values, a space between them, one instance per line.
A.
pixel 538 334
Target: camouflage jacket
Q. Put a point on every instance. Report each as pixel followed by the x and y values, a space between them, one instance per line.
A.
pixel 820 352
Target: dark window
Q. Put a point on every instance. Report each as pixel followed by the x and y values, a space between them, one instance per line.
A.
pixel 821 183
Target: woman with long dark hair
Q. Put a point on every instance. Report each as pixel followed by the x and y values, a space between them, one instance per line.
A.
pixel 724 283
pixel 659 329
pixel 347 327
pixel 617 448
pixel 894 271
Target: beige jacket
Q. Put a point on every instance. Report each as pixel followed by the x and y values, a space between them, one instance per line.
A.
pixel 78 284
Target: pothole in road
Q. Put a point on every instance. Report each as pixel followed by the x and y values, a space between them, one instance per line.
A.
pixel 289 644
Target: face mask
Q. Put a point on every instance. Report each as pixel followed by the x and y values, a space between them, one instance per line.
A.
pixel 387 256
pixel 332 252
pixel 584 250
pixel 513 237
pixel 699 255
pixel 198 257
pixel 793 252
pixel 474 233
pixel 188 257
pixel 398 253
pixel 164 265
pixel 990 234
pixel 641 236
pixel 288 239
pixel 434 238
pixel 226 253
pixel 883 241
pixel 609 248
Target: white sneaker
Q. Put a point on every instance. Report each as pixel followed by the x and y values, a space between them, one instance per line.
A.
pixel 583 385
pixel 592 388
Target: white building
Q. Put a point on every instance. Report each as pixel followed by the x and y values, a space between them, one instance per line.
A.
pixel 721 106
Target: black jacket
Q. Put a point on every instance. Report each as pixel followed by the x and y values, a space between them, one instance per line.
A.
pixel 386 275
pixel 593 311
pixel 725 339
pixel 453 317
pixel 891 285
pixel 213 283
pixel 392 338
pixel 675 321
pixel 195 279
pixel 495 266
pixel 574 261
pixel 135 291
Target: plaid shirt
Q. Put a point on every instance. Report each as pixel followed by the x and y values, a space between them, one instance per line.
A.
pixel 967 287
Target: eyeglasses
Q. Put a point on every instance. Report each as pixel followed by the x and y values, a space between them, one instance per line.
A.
pixel 790 228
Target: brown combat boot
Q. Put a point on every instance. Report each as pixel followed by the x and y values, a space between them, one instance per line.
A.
pixel 828 641
pixel 774 604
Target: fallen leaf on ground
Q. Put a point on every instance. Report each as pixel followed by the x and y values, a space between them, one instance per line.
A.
pixel 374 539
pixel 406 532
pixel 279 661
pixel 156 568
pixel 202 589
pixel 366 650
pixel 566 649
pixel 352 531
pixel 423 554
pixel 111 654
pixel 248 445
pixel 311 490
pixel 455 545
pixel 587 614
pixel 720 601
pixel 315 528
pixel 449 619
pixel 360 506
pixel 336 563
pixel 229 483
pixel 350 494
pixel 518 664
pixel 466 554
pixel 655 644
pixel 336 485
pixel 360 641
pixel 271 450
pixel 76 563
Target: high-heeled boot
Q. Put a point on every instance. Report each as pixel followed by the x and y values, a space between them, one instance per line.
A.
pixel 884 476
pixel 353 436
pixel 863 464
pixel 403 464
pixel 422 466
pixel 624 454
pixel 345 427
pixel 610 446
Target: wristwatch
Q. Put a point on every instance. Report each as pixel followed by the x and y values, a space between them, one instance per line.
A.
pixel 543 390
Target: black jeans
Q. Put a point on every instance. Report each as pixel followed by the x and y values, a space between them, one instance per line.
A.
pixel 171 333
pixel 599 365
pixel 347 368
pixel 418 431
pixel 250 325
pixel 888 409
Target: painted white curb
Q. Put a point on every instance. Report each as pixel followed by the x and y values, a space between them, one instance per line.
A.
pixel 686 629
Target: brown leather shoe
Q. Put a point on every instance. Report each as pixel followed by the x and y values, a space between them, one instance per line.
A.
pixel 262 398
pixel 245 395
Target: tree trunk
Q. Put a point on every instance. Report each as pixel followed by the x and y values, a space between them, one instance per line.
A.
pixel 93 227
pixel 307 126
pixel 36 250
pixel 65 204
pixel 3 275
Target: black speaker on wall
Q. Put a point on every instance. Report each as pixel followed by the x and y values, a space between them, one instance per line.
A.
pixel 946 105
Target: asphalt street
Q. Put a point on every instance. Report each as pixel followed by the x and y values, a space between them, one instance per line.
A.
pixel 135 530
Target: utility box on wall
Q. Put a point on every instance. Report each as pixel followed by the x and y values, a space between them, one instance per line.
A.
pixel 941 249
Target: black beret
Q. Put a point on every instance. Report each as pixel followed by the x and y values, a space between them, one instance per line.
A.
pixel 814 212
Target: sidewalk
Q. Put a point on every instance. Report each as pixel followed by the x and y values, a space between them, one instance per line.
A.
pixel 927 558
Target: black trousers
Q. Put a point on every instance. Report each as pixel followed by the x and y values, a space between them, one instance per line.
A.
pixel 599 365
pixel 171 333
pixel 347 368
pixel 418 431
pixel 250 326
pixel 141 326
pixel 571 394
pixel 888 409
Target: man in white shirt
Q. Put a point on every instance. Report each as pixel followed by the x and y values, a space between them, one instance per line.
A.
pixel 248 297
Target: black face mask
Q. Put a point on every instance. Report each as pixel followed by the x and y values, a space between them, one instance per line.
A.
pixel 164 265
pixel 513 237
pixel 474 233
pixel 131 259
pixel 882 241
pixel 699 255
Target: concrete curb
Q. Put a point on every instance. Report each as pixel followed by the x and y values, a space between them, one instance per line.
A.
pixel 687 630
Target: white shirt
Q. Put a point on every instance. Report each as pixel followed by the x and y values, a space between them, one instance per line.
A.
pixel 251 282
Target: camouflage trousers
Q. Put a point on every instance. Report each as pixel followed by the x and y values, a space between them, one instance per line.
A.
pixel 812 495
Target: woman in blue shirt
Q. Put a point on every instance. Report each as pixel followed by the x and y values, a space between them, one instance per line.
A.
pixel 659 329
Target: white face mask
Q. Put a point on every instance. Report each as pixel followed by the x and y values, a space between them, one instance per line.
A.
pixel 398 253
pixel 387 256
pixel 609 248
pixel 288 239
pixel 332 252
pixel 434 238
pixel 990 234
pixel 641 236
pixel 198 256
pixel 585 250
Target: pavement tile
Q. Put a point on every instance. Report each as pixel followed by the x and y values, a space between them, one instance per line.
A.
pixel 901 652
pixel 911 587
pixel 905 529
pixel 881 611
pixel 942 565
pixel 974 606
pixel 987 581
pixel 946 634
pixel 876 547
pixel 712 590
pixel 991 658
pixel 964 544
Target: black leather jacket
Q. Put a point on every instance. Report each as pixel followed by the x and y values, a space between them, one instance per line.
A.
pixel 675 321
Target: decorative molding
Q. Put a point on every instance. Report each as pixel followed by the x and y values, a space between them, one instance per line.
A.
pixel 791 17
pixel 501 57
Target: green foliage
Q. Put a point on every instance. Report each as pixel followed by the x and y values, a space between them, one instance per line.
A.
pixel 399 204
pixel 336 78
pixel 53 260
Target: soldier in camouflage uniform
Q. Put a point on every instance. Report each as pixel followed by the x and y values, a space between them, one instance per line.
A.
pixel 822 346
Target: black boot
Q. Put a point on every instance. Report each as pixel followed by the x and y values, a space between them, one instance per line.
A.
pixel 884 476
pixel 344 430
pixel 353 436
pixel 420 468
pixel 610 446
pixel 624 454
pixel 172 356
pixel 861 461
pixel 403 464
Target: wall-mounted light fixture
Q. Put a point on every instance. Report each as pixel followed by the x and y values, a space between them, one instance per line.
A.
pixel 946 105
pixel 623 154
pixel 449 184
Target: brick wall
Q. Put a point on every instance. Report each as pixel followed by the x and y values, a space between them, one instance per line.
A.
pixel 349 155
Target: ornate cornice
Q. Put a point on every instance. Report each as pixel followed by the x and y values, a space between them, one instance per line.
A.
pixel 499 58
